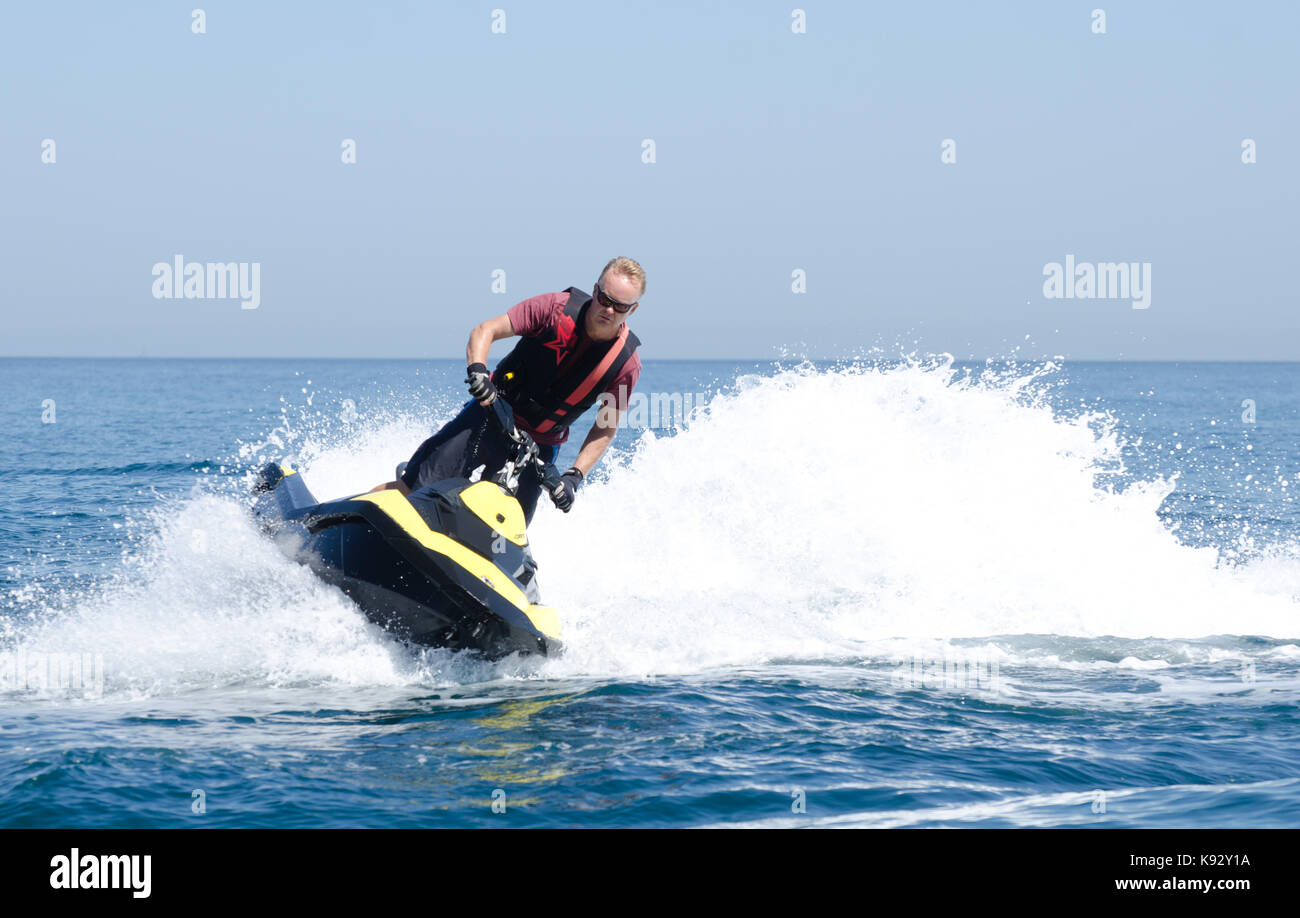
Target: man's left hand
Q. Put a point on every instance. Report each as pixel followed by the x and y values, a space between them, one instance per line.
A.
pixel 565 490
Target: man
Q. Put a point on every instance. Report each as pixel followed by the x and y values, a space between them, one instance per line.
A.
pixel 576 349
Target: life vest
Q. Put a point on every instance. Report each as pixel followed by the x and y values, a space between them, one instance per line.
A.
pixel 549 383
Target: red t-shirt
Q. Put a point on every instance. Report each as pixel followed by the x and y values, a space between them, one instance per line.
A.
pixel 536 317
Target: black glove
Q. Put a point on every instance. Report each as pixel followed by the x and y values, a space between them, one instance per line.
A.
pixel 564 491
pixel 480 384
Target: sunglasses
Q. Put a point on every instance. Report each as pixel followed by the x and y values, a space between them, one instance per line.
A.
pixel 604 299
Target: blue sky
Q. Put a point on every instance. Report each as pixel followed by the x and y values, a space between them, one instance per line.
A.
pixel 775 151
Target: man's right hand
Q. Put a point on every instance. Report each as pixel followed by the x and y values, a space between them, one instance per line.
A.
pixel 480 384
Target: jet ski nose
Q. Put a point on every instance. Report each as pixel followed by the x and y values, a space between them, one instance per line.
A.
pixel 448 566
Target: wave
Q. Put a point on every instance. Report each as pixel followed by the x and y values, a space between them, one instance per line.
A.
pixel 863 512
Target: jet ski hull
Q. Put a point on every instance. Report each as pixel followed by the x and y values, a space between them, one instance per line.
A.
pixel 448 567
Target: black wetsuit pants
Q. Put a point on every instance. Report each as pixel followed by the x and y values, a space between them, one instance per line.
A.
pixel 465 442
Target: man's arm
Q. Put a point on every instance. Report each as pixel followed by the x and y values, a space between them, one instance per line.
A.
pixel 612 405
pixel 481 338
pixel 598 440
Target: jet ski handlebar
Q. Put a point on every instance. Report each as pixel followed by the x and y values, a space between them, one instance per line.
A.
pixel 526 452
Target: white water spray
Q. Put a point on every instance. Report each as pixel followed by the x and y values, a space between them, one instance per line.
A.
pixel 812 515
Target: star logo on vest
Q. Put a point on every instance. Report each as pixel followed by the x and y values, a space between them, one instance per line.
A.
pixel 565 334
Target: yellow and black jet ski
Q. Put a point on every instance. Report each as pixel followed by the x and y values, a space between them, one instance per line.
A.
pixel 448 566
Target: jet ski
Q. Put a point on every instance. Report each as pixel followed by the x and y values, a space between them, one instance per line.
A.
pixel 449 566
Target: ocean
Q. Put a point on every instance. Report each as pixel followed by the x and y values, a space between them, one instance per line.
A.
pixel 876 593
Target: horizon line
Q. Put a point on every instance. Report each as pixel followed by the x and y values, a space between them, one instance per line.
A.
pixel 675 359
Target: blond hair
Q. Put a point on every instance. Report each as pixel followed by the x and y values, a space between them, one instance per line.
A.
pixel 628 268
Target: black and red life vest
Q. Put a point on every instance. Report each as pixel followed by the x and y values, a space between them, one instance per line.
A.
pixel 549 383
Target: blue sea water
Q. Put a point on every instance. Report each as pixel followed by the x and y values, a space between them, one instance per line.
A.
pixel 874 594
